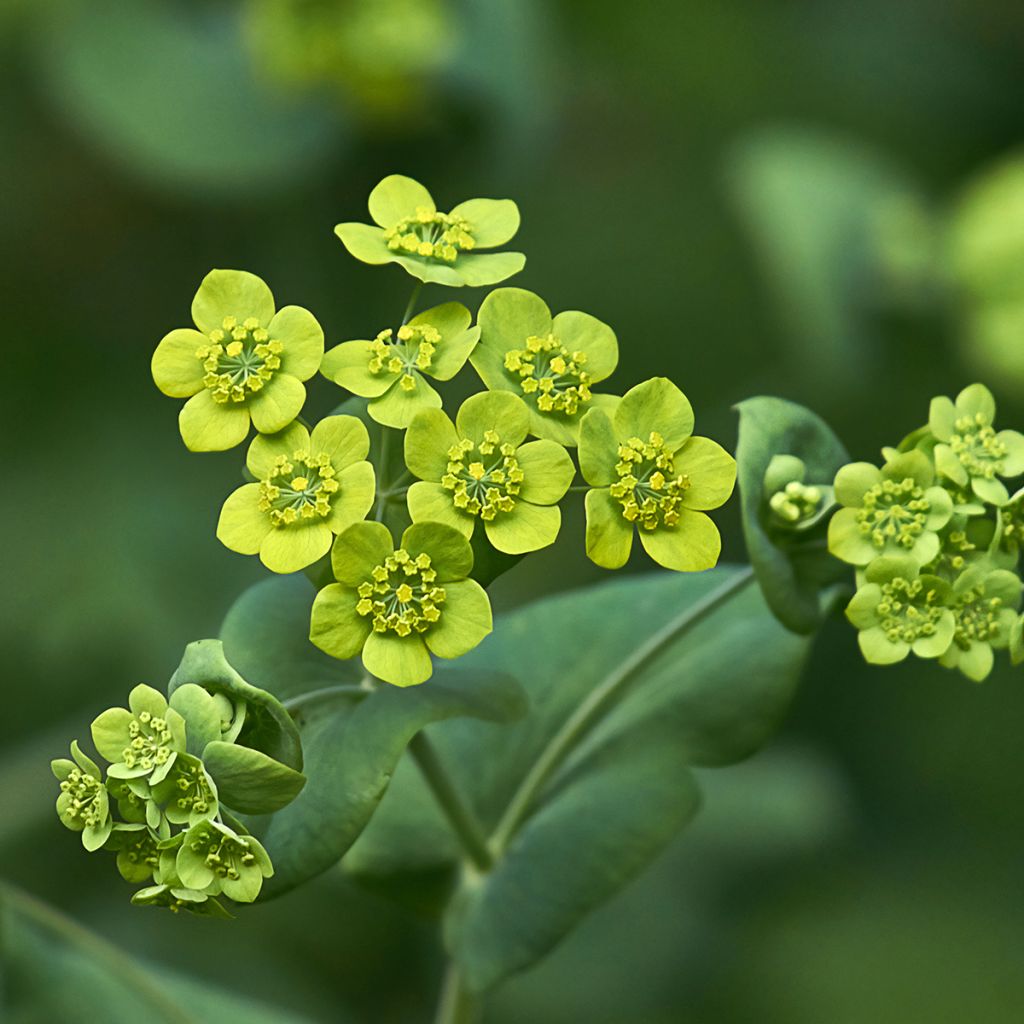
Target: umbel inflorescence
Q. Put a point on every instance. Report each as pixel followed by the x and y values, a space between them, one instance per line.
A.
pixel 491 480
pixel 934 535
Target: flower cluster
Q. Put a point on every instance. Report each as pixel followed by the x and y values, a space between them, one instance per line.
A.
pixel 475 489
pixel 159 808
pixel 935 536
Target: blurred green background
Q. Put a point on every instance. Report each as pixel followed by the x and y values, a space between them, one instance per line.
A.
pixel 760 198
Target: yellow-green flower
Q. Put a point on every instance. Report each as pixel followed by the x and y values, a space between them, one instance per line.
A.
pixel 898 610
pixel 244 363
pixel 213 858
pixel 550 362
pixel 648 471
pixel 310 487
pixel 142 740
pixel 84 804
pixel 432 246
pixel 985 603
pixel 391 370
pixel 970 451
pixel 895 510
pixel 478 468
pixel 398 606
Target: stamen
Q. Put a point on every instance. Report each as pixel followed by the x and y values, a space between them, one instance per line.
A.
pixel 238 368
pixel 484 478
pixel 412 350
pixel 434 236
pixel 649 489
pixel 976 444
pixel 908 611
pixel 894 512
pixel 551 374
pixel 298 488
pixel 401 595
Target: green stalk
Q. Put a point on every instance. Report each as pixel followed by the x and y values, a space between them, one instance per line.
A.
pixel 591 709
pixel 460 815
pixel 457 1005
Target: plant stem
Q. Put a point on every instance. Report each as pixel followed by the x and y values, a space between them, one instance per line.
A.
pixel 382 493
pixel 457 1005
pixel 579 488
pixel 590 709
pixel 459 814
pixel 326 693
pixel 407 315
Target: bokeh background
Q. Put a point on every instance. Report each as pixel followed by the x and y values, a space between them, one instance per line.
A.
pixel 809 198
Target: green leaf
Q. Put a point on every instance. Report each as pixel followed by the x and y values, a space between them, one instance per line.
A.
pixel 268 726
pixel 266 638
pixel 56 970
pixel 189 113
pixel 707 697
pixel 352 745
pixel 250 782
pixel 792 568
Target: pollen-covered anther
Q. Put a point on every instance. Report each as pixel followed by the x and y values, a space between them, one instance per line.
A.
pixel 550 373
pixel 86 806
pixel 978 447
pixel 977 617
pixel 409 349
pixel 298 488
pixel 796 502
pixel 239 360
pixel 894 511
pixel 908 610
pixel 484 478
pixel 149 742
pixel 401 595
pixel 648 488
pixel 433 235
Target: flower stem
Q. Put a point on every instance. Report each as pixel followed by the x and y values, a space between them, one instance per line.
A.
pixel 457 1004
pixel 351 691
pixel 458 812
pixel 407 315
pixel 590 710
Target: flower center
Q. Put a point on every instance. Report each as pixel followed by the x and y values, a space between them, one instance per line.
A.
pixel 401 595
pixel 149 742
pixel 977 617
pixel 908 611
pixel 978 447
pixel 551 373
pixel 795 503
pixel 649 489
pixel 225 856
pixel 300 487
pixel 142 850
pixel 484 478
pixel 239 360
pixel 86 805
pixel 434 236
pixel 194 793
pixel 412 350
pixel 1012 516
pixel 894 512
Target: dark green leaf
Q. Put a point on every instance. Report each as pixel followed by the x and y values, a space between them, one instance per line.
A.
pixel 793 569
pixel 352 745
pixel 268 726
pixel 56 971
pixel 708 697
pixel 250 782
pixel 266 639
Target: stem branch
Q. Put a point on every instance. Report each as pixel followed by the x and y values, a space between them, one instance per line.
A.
pixel 457 1005
pixel 407 315
pixel 459 814
pixel 586 714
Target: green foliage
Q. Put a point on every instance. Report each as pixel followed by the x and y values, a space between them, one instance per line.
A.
pixel 56 970
pixel 621 788
pixel 792 568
